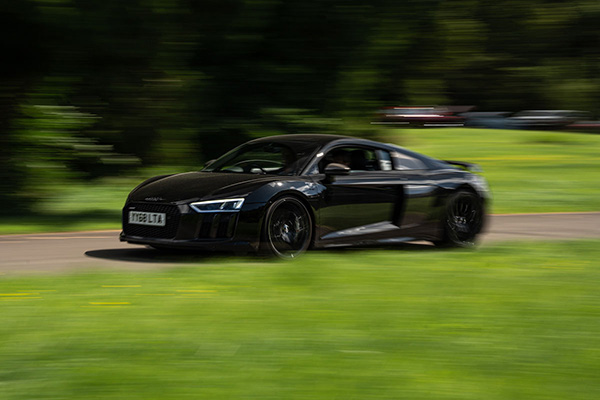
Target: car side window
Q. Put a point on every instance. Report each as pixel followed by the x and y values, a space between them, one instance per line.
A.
pixel 405 162
pixel 356 158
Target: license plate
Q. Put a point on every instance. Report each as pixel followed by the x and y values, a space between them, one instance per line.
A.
pixel 147 218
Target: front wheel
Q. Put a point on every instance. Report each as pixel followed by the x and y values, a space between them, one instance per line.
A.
pixel 288 228
pixel 463 220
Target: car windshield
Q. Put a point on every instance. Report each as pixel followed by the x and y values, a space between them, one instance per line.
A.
pixel 261 158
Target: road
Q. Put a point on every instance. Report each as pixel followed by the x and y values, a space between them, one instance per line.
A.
pixel 57 252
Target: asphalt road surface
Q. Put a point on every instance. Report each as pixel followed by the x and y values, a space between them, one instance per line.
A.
pixel 56 252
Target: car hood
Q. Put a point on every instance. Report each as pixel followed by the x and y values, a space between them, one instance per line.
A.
pixel 193 186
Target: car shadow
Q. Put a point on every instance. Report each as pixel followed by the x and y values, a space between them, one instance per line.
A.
pixel 147 255
pixel 150 255
pixel 407 246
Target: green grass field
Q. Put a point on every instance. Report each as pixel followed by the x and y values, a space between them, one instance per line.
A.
pixel 528 171
pixel 505 322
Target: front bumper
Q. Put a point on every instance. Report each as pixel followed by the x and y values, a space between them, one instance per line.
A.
pixel 188 229
pixel 229 245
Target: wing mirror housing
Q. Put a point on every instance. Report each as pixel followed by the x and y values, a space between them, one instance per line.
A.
pixel 336 169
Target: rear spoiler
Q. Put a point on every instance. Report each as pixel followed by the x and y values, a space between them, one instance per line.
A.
pixel 465 165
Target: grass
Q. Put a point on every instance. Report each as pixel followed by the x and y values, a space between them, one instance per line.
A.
pixel 81 205
pixel 528 171
pixel 505 322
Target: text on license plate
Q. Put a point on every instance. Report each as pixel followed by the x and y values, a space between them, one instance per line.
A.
pixel 147 218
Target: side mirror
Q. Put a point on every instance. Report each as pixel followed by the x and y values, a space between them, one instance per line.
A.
pixel 336 169
pixel 209 162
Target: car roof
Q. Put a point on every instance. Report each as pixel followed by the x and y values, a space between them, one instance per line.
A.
pixel 312 142
pixel 309 143
pixel 294 139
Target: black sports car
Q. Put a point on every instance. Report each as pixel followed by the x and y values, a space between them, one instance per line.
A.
pixel 286 194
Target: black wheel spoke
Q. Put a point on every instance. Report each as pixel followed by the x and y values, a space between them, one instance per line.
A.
pixel 464 219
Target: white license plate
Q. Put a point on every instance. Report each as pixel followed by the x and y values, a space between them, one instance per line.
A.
pixel 147 218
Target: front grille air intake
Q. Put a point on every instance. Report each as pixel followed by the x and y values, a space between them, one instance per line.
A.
pixel 217 225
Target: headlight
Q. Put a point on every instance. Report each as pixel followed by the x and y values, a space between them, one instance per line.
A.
pixel 229 205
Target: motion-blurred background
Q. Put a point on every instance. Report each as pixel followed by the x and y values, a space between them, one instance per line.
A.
pixel 97 95
pixel 93 89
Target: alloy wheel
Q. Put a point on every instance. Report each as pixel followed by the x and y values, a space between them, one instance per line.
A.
pixel 288 228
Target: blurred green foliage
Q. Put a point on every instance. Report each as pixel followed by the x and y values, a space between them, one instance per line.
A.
pixel 93 88
pixel 510 321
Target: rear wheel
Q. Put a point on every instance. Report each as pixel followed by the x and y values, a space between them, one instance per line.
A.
pixel 463 220
pixel 288 228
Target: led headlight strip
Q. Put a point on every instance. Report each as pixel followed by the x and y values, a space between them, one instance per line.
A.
pixel 212 206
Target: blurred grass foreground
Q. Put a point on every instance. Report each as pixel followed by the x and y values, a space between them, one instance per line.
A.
pixel 506 322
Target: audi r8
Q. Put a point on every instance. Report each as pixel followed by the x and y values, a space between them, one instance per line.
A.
pixel 286 194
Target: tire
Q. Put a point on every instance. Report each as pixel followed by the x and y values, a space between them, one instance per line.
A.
pixel 287 230
pixel 462 220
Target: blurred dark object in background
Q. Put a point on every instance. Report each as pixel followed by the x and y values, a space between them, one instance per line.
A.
pixel 545 119
pixel 528 119
pixel 487 119
pixel 437 116
pixel 584 127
